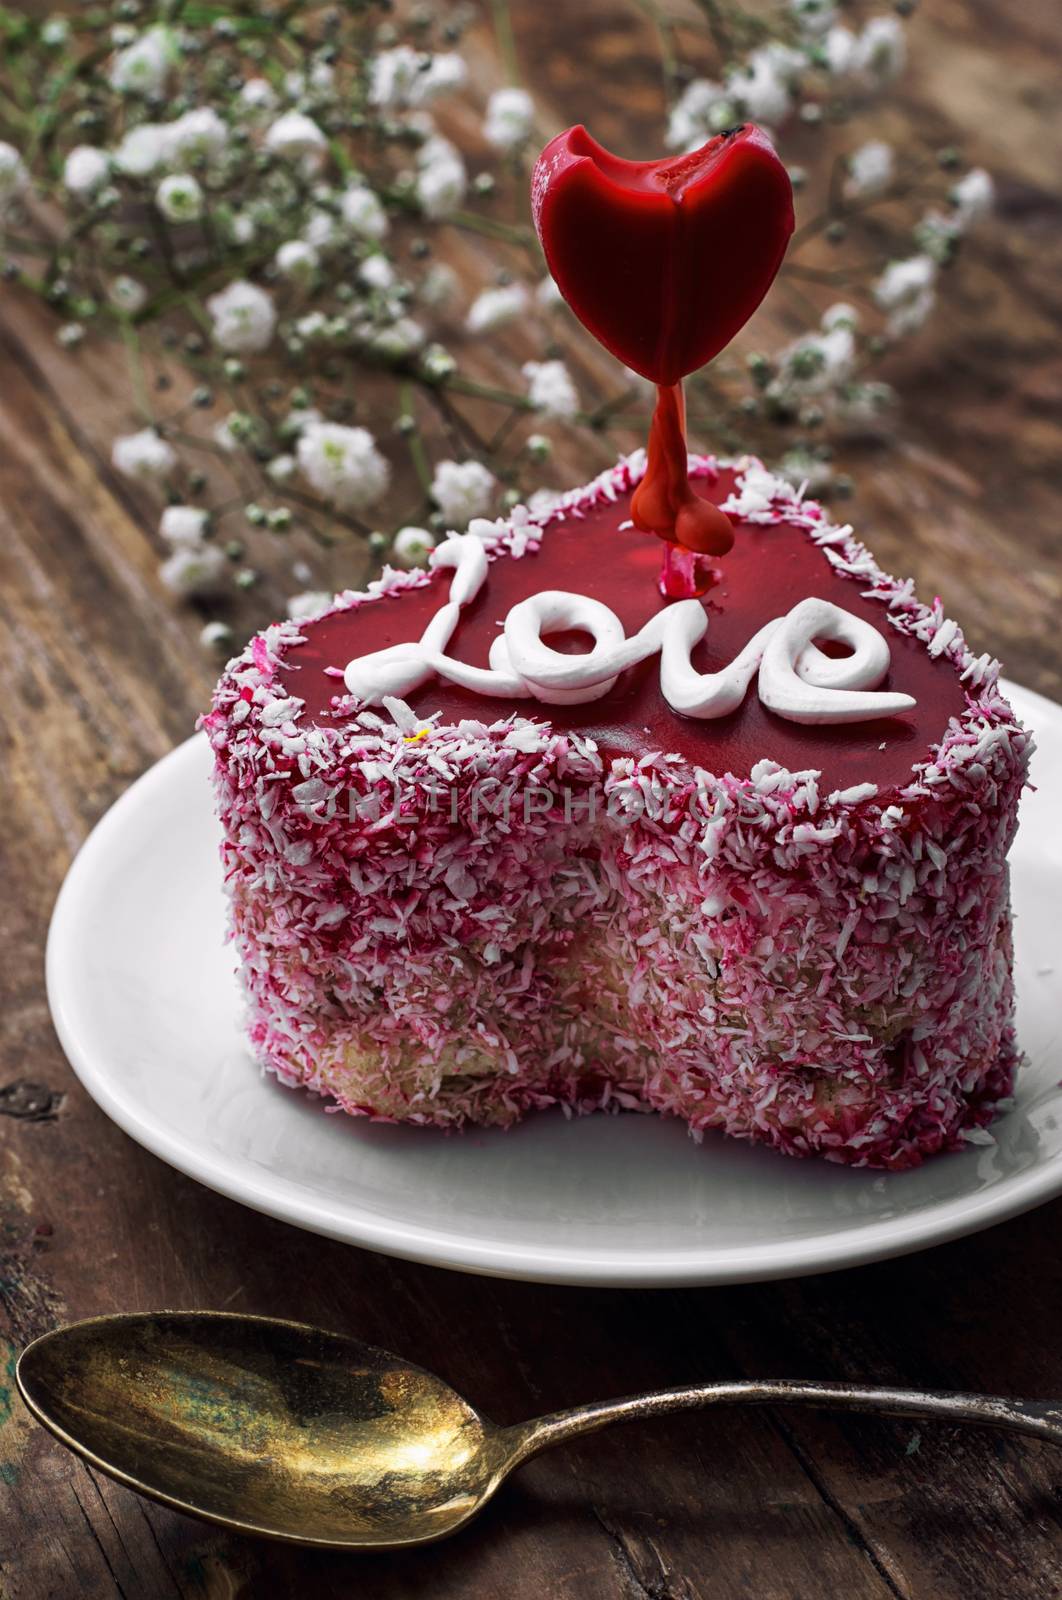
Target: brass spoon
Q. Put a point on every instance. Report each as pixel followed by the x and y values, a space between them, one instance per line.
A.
pixel 275 1428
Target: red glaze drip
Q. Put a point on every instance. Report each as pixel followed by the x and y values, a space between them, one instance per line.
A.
pixel 766 573
pixel 664 503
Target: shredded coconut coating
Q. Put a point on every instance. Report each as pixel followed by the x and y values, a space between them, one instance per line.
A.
pixel 826 973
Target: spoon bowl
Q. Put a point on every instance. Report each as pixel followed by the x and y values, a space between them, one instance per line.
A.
pixel 278 1429
pixel 269 1427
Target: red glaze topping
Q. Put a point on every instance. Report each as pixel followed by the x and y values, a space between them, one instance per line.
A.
pixel 766 573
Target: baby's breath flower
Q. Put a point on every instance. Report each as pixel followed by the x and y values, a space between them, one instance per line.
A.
pixel 841 315
pixel 510 118
pixel 71 334
pixel 200 132
pixel 547 294
pixel 813 17
pixel 143 455
pixel 839 51
pixel 439 286
pixel 301 607
pixel 703 109
pixel 143 150
pixel 441 177
pixel 903 280
pixel 216 637
pixel 763 87
pixel 13 174
pixel 437 364
pixel 294 135
pixel 462 490
pixel 143 66
pixel 880 51
pixel 396 339
pixel 412 547
pixel 241 228
pixel 194 569
pixel 183 524
pixel 86 169
pixel 343 465
pixel 870 169
pixel 376 272
pixel 257 95
pixel 973 196
pixel 127 295
pixel 228 435
pixel 281 468
pixel 244 318
pixel 179 198
pixel 495 307
pixel 362 211
pixel 297 260
pixel 550 388
pixel 403 77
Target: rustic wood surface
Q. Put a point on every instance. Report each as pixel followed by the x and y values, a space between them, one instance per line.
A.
pixel 101 675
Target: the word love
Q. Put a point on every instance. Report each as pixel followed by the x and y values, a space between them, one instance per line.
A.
pixel 795 677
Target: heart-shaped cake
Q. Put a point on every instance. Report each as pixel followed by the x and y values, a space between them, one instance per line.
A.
pixel 493 843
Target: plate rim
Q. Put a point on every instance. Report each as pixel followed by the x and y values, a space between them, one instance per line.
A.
pixel 277 1196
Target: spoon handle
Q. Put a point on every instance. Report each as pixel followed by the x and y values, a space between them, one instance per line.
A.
pixel 1041 1419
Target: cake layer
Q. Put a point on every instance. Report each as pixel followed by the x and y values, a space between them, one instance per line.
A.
pixel 463 910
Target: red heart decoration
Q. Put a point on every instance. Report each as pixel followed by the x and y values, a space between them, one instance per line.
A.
pixel 663 261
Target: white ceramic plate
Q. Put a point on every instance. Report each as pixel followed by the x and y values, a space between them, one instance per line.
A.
pixel 145 1000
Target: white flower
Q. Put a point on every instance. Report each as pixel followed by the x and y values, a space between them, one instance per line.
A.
pixel 298 419
pixel 870 169
pixel 862 405
pixel 241 227
pixel 702 109
pixel 182 524
pixel 439 285
pixel 909 316
pixel 973 195
pixel 437 363
pixel 550 388
pixel 297 260
pixel 294 135
pixel 495 307
pixel 244 318
pixel 362 211
pixel 343 464
pixel 376 272
pixel 412 547
pixel 880 51
pixel 547 294
pixel 143 149
pixel 320 230
pixel 194 569
pixel 216 637
pixel 256 95
pixel 396 340
pixel 936 233
pixel 143 455
pixel 200 132
pixel 281 468
pixel 510 118
pixel 13 174
pixel 308 604
pixel 839 48
pixel 441 178
pixel 813 17
pixel 816 363
pixel 903 281
pixel 321 78
pixel 462 490
pixel 763 87
pixel 224 436
pixel 127 295
pixel 85 169
pixel 314 325
pixel 841 315
pixel 143 66
pixel 179 198
pixel 403 77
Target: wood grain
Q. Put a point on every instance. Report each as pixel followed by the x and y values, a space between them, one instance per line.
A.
pixel 101 675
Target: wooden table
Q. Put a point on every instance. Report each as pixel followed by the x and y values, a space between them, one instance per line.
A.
pixel 101 675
